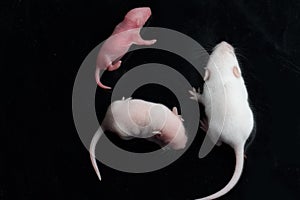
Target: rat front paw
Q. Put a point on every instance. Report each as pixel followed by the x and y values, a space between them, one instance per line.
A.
pixel 195 94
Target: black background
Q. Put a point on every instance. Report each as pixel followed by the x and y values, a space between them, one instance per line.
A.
pixel 43 44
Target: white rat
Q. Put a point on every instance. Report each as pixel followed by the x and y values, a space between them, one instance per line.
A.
pixel 238 123
pixel 131 118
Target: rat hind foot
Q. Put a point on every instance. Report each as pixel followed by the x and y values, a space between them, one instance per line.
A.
pixel 115 66
pixel 204 124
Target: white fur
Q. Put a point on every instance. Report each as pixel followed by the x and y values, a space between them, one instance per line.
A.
pixel 238 124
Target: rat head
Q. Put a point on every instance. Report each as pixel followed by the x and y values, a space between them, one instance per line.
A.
pixel 173 134
pixel 138 16
pixel 224 60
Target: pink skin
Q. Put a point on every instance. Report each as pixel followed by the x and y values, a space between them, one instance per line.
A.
pixel 124 35
pixel 173 132
pixel 141 119
pixel 138 118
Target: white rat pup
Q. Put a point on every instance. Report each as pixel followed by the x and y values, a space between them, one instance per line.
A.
pixel 223 69
pixel 134 118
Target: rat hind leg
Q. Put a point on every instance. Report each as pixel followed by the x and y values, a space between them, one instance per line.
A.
pixel 115 66
pixel 204 124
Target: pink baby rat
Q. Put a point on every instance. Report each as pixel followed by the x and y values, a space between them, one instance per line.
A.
pixel 134 118
pixel 223 68
pixel 124 35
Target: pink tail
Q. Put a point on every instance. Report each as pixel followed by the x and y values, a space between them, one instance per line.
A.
pixel 239 152
pixel 97 73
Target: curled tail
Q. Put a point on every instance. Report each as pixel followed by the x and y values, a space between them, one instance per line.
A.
pixel 239 153
pixel 97 77
pixel 93 144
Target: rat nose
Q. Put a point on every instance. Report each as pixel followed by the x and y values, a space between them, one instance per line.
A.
pixel 149 11
pixel 226 45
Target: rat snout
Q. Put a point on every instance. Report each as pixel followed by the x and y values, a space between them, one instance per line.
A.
pixel 225 46
pixel 143 10
pixel 147 12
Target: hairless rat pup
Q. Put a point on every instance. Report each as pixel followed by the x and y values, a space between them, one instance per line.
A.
pixel 239 120
pixel 124 35
pixel 134 118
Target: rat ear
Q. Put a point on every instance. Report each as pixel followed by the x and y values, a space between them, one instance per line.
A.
pixel 175 111
pixel 236 72
pixel 206 75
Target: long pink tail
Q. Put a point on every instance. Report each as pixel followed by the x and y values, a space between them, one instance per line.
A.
pixel 97 77
pixel 239 153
